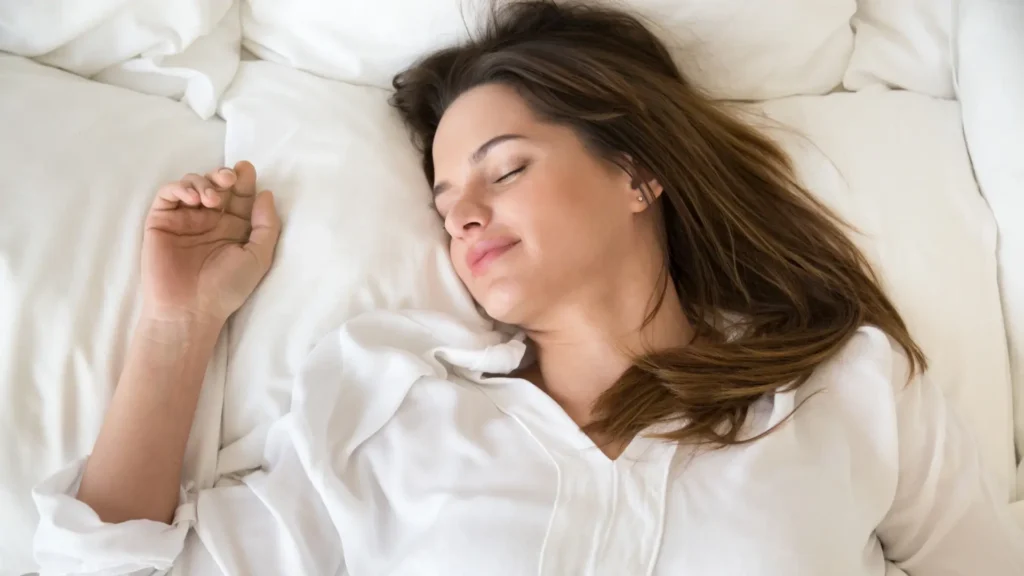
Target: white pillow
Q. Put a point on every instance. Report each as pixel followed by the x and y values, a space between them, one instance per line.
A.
pixel 989 39
pixel 735 49
pixel 79 164
pixel 187 49
pixel 902 44
pixel 359 232
pixel 905 182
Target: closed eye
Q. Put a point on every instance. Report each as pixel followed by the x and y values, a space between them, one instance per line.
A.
pixel 508 175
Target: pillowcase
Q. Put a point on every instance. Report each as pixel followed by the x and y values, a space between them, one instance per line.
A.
pixel 359 231
pixel 902 44
pixel 734 49
pixel 78 170
pixel 186 50
pixel 905 183
pixel 989 40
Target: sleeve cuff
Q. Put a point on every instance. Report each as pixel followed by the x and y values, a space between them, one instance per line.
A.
pixel 71 538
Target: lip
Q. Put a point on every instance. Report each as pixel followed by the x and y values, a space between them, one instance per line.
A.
pixel 484 252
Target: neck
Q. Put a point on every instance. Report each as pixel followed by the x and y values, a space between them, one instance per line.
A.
pixel 582 351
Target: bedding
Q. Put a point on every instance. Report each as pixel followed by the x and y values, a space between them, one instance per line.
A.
pixel 86 157
pixel 733 49
pixel 79 164
pixel 186 50
pixel 902 44
pixel 905 183
pixel 991 90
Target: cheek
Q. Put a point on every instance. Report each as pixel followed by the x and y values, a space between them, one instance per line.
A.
pixel 571 222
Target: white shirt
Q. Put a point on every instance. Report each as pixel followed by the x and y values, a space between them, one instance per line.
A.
pixel 400 457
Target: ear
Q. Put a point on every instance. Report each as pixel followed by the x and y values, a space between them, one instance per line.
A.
pixel 646 189
pixel 643 188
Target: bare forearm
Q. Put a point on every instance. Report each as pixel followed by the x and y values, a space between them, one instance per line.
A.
pixel 135 468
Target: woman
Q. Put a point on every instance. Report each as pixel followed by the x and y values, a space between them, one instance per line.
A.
pixel 714 381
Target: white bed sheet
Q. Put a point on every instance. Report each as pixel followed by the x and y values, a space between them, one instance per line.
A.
pixel 989 44
pixel 187 50
pixel 79 164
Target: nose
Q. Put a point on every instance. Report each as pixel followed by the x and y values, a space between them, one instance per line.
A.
pixel 469 213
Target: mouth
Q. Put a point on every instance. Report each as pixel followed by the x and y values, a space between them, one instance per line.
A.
pixel 485 252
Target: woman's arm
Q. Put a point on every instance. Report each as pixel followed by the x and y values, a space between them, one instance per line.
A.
pixel 134 470
pixel 208 242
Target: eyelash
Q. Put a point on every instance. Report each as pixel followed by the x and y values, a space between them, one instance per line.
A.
pixel 433 205
pixel 508 175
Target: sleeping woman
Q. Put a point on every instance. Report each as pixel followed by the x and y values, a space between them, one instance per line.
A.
pixel 706 378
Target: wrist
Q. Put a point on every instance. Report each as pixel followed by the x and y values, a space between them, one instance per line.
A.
pixel 179 348
pixel 178 327
pixel 173 317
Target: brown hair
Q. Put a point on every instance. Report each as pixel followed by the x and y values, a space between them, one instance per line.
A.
pixel 742 237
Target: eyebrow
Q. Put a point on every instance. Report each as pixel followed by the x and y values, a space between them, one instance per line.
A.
pixel 479 155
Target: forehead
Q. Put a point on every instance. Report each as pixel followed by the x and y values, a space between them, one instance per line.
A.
pixel 478 115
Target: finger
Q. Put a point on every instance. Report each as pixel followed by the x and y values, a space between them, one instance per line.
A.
pixel 210 195
pixel 223 177
pixel 266 228
pixel 219 196
pixel 188 222
pixel 244 191
pixel 170 195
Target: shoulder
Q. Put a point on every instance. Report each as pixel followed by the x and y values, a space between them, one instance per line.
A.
pixel 870 361
pixel 856 390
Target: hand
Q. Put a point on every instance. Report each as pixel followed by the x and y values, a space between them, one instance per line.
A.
pixel 208 243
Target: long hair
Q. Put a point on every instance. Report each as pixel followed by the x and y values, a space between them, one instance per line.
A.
pixel 743 239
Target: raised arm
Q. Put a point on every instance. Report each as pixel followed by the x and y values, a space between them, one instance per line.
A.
pixel 208 242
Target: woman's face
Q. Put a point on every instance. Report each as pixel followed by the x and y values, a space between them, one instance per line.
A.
pixel 535 217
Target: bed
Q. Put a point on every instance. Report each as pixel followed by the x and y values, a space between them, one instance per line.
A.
pixel 902 115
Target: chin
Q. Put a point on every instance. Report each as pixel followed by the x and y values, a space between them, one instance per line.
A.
pixel 502 303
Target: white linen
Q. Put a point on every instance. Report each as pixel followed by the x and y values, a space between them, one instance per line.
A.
pixel 734 49
pixel 79 165
pixel 989 39
pixel 902 44
pixel 905 183
pixel 400 455
pixel 359 232
pixel 186 50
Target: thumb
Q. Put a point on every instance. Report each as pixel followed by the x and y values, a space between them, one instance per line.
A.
pixel 266 227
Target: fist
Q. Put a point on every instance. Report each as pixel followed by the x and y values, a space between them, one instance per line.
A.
pixel 209 240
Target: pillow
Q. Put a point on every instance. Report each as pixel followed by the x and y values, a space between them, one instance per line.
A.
pixel 905 183
pixel 78 171
pixel 185 50
pixel 733 48
pixel 989 40
pixel 902 44
pixel 359 231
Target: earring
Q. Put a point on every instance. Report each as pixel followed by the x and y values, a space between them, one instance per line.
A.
pixel 640 198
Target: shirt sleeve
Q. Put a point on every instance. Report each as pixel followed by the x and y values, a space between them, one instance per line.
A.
pixel 71 538
pixel 944 519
